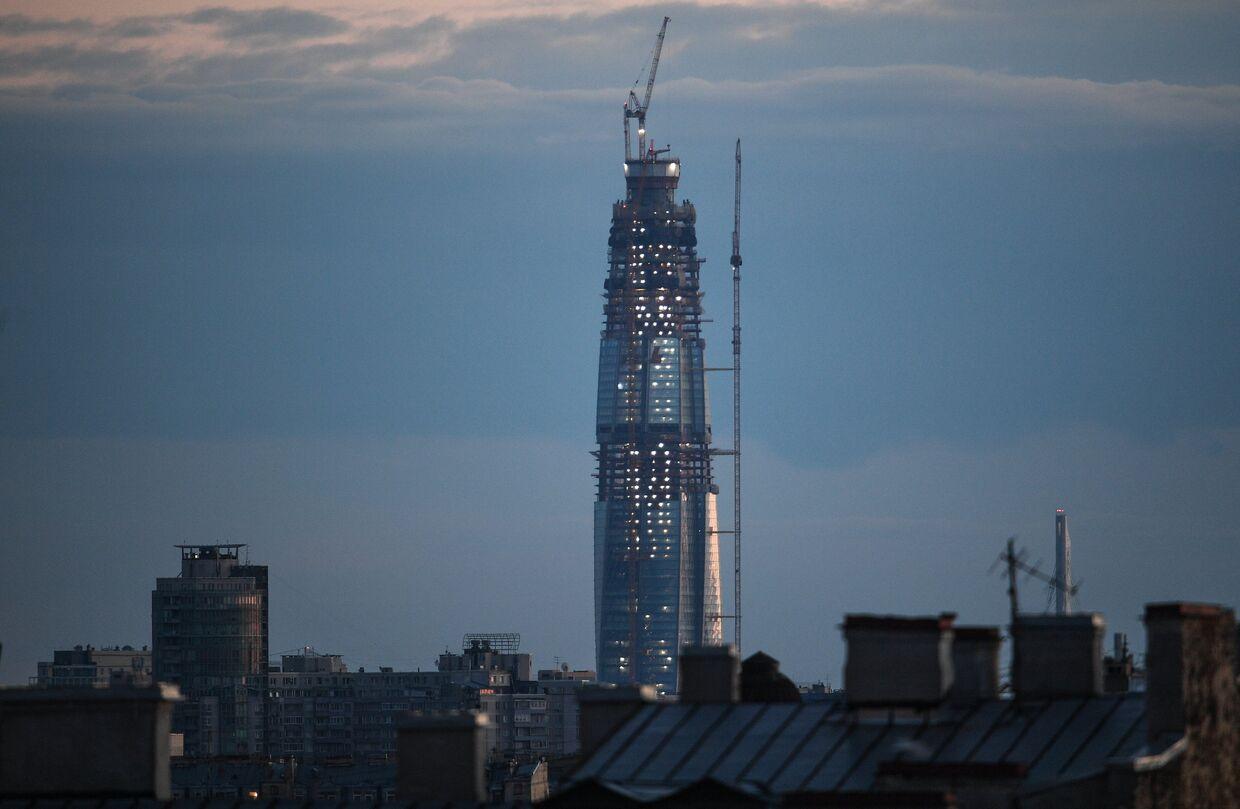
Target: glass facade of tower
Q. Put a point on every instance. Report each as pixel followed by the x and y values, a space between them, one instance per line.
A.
pixel 656 552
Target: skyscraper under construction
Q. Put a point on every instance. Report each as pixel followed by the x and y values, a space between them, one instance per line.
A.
pixel 656 551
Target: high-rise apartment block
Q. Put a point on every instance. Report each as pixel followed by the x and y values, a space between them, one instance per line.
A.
pixel 656 544
pixel 209 636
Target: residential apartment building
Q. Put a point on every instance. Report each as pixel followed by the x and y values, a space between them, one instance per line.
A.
pixel 317 709
pixel 96 668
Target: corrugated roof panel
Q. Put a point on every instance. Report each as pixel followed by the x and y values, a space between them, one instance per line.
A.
pixel 888 747
pixel 645 743
pixel 1043 730
pixel 854 746
pixel 1135 739
pixel 751 745
pixel 817 747
pixel 1007 729
pixel 970 733
pixel 717 743
pixel 786 744
pixel 1089 719
pixel 614 744
pixel 1129 716
pixel 682 742
pixel 924 741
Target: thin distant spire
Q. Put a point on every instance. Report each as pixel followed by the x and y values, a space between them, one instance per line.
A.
pixel 1063 564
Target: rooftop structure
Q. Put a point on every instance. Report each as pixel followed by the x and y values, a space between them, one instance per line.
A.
pixel 478 655
pixel 902 736
pixel 656 549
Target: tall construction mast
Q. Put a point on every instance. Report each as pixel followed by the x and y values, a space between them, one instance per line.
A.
pixel 638 109
pixel 736 395
pixel 1063 565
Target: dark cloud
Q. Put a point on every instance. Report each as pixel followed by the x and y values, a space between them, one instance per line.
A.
pixel 781 66
pixel 269 24
pixel 140 27
pixel 16 25
pixel 83 62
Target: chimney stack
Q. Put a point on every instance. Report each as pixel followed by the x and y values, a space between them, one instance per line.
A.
pixel 605 707
pixel 761 681
pixel 975 664
pixel 1189 661
pixel 86 742
pixel 1058 655
pixel 442 757
pixel 898 660
pixel 709 674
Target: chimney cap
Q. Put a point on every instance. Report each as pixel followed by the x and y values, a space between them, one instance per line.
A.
pixel 443 720
pixel 976 632
pixel 1182 609
pixel 1077 619
pixel 609 692
pixel 943 620
pixel 156 692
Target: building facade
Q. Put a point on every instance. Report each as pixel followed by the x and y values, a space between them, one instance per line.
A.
pixel 656 550
pixel 209 636
pixel 95 668
pixel 318 710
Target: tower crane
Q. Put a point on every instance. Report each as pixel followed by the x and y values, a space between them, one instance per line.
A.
pixel 634 108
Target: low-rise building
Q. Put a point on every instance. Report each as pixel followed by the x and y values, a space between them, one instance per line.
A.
pixel 88 666
pixel 562 686
pixel 318 710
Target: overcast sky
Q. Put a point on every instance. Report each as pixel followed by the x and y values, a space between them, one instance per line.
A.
pixel 326 280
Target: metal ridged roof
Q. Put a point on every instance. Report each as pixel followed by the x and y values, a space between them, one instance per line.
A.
pixel 788 747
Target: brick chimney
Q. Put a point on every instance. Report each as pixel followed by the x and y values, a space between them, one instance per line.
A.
pixel 605 707
pixel 86 742
pixel 442 757
pixel 1189 659
pixel 709 674
pixel 1059 655
pixel 898 660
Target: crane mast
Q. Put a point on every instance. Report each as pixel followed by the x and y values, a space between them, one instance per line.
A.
pixel 635 108
pixel 736 398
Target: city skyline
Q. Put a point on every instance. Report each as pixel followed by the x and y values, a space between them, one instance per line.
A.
pixel 324 280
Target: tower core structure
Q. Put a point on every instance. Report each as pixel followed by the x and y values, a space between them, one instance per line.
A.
pixel 1063 565
pixel 656 542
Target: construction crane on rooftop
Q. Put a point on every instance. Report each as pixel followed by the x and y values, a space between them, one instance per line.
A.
pixel 633 108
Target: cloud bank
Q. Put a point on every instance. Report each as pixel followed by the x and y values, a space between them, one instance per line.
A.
pixel 355 78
